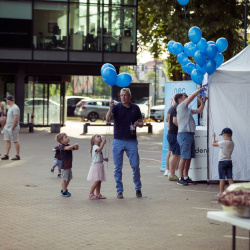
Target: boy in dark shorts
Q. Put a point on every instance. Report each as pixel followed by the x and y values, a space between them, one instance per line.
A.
pixel 225 161
pixel 57 161
pixel 67 159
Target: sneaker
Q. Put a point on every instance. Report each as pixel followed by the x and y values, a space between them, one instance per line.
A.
pixel 16 158
pixel 120 195
pixel 173 178
pixel 52 170
pixel 59 175
pixel 66 194
pixel 138 193
pixel 189 181
pixel 182 182
pixel 61 191
pixel 166 173
pixel 6 157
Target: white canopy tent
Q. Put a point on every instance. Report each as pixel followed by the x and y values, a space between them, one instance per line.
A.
pixel 229 106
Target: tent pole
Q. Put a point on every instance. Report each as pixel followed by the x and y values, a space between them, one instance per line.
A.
pixel 208 101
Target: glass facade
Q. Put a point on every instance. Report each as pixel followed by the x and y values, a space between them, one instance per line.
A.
pixel 74 25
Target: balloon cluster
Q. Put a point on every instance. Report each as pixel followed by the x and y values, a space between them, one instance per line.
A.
pixel 207 55
pixel 110 76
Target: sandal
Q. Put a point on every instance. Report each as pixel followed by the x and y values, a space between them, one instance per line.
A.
pixel 99 196
pixel 92 196
pixel 17 157
pixel 6 157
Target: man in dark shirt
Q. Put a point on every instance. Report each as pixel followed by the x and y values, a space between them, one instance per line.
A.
pixel 127 116
pixel 172 140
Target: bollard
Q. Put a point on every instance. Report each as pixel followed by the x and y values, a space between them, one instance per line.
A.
pixel 55 127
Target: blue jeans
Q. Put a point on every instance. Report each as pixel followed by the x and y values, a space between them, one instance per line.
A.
pixel 131 149
pixel 225 170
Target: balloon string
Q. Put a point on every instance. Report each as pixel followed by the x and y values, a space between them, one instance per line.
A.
pixel 185 16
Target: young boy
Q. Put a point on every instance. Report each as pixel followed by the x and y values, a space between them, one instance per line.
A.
pixel 66 158
pixel 225 162
pixel 57 161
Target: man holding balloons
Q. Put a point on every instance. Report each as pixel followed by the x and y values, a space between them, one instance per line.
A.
pixel 185 137
pixel 127 116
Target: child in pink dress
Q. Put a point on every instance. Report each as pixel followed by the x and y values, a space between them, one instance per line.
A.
pixel 97 170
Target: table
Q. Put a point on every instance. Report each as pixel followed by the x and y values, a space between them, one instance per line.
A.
pixel 223 216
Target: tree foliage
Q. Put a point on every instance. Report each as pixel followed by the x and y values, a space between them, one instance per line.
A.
pixel 164 20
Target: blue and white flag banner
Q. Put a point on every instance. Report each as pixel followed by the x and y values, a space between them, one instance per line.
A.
pixel 171 89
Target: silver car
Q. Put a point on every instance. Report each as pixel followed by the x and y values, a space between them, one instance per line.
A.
pixel 93 109
pixel 157 113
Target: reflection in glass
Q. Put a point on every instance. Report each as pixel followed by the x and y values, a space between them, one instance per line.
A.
pixel 50 25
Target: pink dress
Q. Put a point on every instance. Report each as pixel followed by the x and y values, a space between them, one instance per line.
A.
pixel 97 170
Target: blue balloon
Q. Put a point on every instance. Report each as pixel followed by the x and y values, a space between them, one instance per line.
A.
pixel 194 34
pixel 178 48
pixel 202 69
pixel 109 76
pixel 197 76
pixel 190 68
pixel 183 2
pixel 191 49
pixel 211 42
pixel 107 65
pixel 186 48
pixel 221 44
pixel 185 67
pixel 200 57
pixel 212 51
pixel 182 58
pixel 219 59
pixel 202 45
pixel 170 46
pixel 210 66
pixel 123 80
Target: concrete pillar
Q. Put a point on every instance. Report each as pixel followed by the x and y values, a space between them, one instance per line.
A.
pixel 19 95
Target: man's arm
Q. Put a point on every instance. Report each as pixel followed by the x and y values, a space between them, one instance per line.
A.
pixel 200 109
pixel 16 117
pixel 167 118
pixel 191 98
pixel 175 121
pixel 109 115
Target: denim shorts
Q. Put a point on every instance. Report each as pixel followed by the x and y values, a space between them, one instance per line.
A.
pixel 225 170
pixel 57 163
pixel 67 174
pixel 173 143
pixel 187 145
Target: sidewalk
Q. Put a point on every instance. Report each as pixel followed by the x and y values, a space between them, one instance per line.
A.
pixel 35 216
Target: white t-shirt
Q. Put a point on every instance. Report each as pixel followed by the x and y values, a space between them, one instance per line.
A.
pixel 13 110
pixel 96 156
pixel 226 150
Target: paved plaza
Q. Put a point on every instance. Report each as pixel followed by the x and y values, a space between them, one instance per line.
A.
pixel 34 215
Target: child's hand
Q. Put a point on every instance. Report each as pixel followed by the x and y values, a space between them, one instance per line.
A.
pixel 213 135
pixel 104 141
pixel 76 147
pixel 106 159
pixel 54 150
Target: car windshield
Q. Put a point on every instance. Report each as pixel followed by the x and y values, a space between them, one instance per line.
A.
pixel 143 100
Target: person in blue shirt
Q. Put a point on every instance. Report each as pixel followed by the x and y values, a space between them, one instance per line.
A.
pixel 127 116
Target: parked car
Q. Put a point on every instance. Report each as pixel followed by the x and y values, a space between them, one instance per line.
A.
pixel 143 105
pixel 72 101
pixel 157 113
pixel 41 108
pixel 93 109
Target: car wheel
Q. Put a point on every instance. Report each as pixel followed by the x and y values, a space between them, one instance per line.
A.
pixel 93 116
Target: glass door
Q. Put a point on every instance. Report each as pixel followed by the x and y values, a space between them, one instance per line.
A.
pixel 42 102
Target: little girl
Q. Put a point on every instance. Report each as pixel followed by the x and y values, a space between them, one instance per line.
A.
pixel 96 171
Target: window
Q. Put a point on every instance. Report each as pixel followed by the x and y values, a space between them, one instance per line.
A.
pixel 50 25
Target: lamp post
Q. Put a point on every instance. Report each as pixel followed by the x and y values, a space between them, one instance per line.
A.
pixel 155 84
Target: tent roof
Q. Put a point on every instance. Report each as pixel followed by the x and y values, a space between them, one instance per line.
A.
pixel 239 63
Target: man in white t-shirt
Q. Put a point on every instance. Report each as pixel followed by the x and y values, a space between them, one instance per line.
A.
pixel 11 128
pixel 225 165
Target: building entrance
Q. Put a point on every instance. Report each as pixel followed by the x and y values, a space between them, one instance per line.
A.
pixel 43 101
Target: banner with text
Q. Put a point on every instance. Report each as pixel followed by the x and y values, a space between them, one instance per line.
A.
pixel 171 89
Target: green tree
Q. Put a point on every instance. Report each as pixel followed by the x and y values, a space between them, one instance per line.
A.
pixel 164 20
